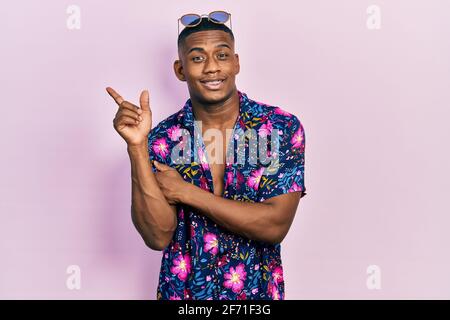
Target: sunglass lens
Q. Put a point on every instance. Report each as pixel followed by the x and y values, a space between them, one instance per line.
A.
pixel 190 19
pixel 219 16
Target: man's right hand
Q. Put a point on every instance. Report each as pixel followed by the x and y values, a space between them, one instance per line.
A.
pixel 131 122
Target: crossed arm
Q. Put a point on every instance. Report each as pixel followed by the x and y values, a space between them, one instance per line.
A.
pixel 267 221
pixel 155 196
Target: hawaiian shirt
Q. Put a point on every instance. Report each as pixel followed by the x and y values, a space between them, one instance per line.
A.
pixel 205 261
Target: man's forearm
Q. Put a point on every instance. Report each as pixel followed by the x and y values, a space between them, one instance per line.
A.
pixel 251 220
pixel 153 216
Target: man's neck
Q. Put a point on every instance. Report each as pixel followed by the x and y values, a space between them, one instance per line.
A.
pixel 220 116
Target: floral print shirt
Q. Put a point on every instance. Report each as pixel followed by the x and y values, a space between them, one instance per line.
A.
pixel 205 261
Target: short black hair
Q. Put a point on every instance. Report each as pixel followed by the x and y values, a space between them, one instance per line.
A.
pixel 204 25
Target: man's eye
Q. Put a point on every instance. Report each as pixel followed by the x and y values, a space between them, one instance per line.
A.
pixel 223 55
pixel 197 59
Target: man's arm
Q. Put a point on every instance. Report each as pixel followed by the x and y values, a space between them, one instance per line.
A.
pixel 152 215
pixel 267 221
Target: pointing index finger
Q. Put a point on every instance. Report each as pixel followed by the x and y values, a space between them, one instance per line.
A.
pixel 114 95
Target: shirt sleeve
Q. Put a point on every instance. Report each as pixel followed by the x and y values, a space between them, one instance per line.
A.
pixel 287 173
pixel 151 153
pixel 157 146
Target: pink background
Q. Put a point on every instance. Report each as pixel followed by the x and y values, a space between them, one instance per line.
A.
pixel 374 104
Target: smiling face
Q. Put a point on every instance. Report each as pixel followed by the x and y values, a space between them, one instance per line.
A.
pixel 208 64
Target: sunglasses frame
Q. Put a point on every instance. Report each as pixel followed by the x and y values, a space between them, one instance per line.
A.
pixel 200 19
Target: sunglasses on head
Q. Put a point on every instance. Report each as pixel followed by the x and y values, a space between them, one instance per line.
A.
pixel 193 19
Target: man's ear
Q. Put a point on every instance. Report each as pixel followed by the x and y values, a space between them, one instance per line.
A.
pixel 238 66
pixel 178 69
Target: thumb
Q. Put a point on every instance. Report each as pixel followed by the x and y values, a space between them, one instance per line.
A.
pixel 161 166
pixel 144 100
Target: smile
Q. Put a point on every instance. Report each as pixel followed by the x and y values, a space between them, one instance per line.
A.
pixel 212 84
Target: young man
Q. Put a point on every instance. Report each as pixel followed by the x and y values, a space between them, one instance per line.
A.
pixel 219 223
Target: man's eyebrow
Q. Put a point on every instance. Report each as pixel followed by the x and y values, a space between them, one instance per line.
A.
pixel 195 49
pixel 223 45
pixel 201 49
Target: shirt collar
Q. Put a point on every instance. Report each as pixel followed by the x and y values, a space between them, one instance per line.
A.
pixel 186 115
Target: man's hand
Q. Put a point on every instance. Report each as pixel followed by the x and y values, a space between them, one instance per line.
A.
pixel 170 182
pixel 131 122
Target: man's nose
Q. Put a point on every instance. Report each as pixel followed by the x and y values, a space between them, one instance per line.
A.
pixel 211 66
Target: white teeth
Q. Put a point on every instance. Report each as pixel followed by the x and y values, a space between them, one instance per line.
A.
pixel 214 82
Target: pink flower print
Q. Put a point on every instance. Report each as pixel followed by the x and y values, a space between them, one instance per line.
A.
pixel 235 278
pixel 211 243
pixel 273 291
pixel 242 296
pixel 204 183
pixel 297 139
pixel 222 261
pixel 192 231
pixel 174 132
pixel 272 264
pixel 181 266
pixel 270 288
pixel 276 294
pixel 161 148
pixel 230 178
pixel 174 297
pixel 239 179
pixel 277 274
pixel 295 187
pixel 182 146
pixel 181 213
pixel 265 129
pixel 253 180
pixel 202 158
pixel 187 294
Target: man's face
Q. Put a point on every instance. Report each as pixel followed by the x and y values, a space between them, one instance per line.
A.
pixel 209 65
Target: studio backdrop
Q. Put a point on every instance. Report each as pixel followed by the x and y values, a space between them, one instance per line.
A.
pixel 369 80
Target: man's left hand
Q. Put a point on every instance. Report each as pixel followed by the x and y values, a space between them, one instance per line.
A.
pixel 170 181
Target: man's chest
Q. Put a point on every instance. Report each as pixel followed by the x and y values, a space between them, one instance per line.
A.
pixel 225 163
pixel 216 147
